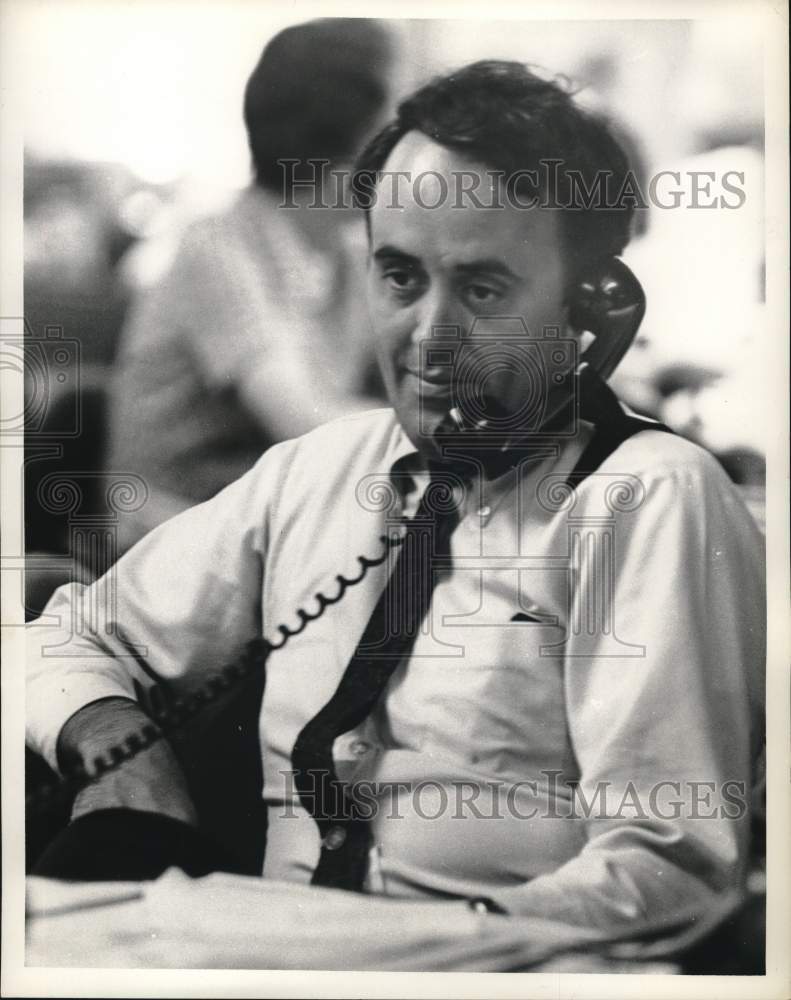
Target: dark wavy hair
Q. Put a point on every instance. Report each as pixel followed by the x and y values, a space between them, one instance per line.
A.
pixel 503 115
pixel 315 93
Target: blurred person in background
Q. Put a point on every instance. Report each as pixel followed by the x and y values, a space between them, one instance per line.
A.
pixel 75 233
pixel 256 332
pixel 74 237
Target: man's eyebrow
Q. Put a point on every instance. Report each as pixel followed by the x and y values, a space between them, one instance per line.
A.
pixel 387 252
pixel 491 265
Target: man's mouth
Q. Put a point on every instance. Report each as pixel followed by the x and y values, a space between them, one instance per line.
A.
pixel 436 374
pixel 431 387
pixel 440 377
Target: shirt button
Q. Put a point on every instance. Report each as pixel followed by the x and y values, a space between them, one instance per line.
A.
pixel 336 837
pixel 360 748
pixel 484 511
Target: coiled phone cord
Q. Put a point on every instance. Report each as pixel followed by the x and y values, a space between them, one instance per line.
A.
pixel 170 717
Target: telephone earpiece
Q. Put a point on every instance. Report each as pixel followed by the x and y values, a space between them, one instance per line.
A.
pixel 608 302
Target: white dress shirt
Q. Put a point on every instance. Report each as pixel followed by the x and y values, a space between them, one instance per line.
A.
pixel 630 679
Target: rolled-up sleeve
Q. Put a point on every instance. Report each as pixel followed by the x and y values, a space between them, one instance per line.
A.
pixel 664 732
pixel 183 602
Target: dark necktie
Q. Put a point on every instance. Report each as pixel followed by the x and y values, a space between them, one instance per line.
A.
pixel 387 639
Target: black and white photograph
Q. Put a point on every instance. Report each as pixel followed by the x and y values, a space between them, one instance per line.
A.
pixel 395 487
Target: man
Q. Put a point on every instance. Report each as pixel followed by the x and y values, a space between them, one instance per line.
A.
pixel 256 331
pixel 563 718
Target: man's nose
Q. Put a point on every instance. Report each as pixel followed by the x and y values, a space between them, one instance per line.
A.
pixel 439 314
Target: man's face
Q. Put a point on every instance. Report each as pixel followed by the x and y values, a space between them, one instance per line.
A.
pixel 447 266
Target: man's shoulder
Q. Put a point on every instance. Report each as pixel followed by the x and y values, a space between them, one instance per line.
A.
pixel 316 471
pixel 373 428
pixel 656 453
pixel 667 468
pixel 367 441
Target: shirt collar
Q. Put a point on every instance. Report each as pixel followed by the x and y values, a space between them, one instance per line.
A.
pixel 409 472
pixel 406 465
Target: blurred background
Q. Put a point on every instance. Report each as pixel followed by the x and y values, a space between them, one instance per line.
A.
pixel 136 147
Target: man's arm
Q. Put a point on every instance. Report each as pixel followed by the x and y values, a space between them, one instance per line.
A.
pixel 152 781
pixel 179 606
pixel 663 738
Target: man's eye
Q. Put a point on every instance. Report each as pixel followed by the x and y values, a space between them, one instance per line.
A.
pixel 481 294
pixel 401 279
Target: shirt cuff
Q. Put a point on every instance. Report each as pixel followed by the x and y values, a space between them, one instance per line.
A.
pixel 48 715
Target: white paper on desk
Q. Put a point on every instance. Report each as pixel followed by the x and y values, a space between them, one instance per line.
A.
pixel 237 922
pixel 226 921
pixel 48 897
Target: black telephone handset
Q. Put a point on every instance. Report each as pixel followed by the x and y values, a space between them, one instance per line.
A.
pixel 609 303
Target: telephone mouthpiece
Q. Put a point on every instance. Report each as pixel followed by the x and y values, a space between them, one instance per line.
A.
pixel 458 420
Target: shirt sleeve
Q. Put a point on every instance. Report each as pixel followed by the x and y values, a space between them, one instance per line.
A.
pixel 664 729
pixel 182 603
